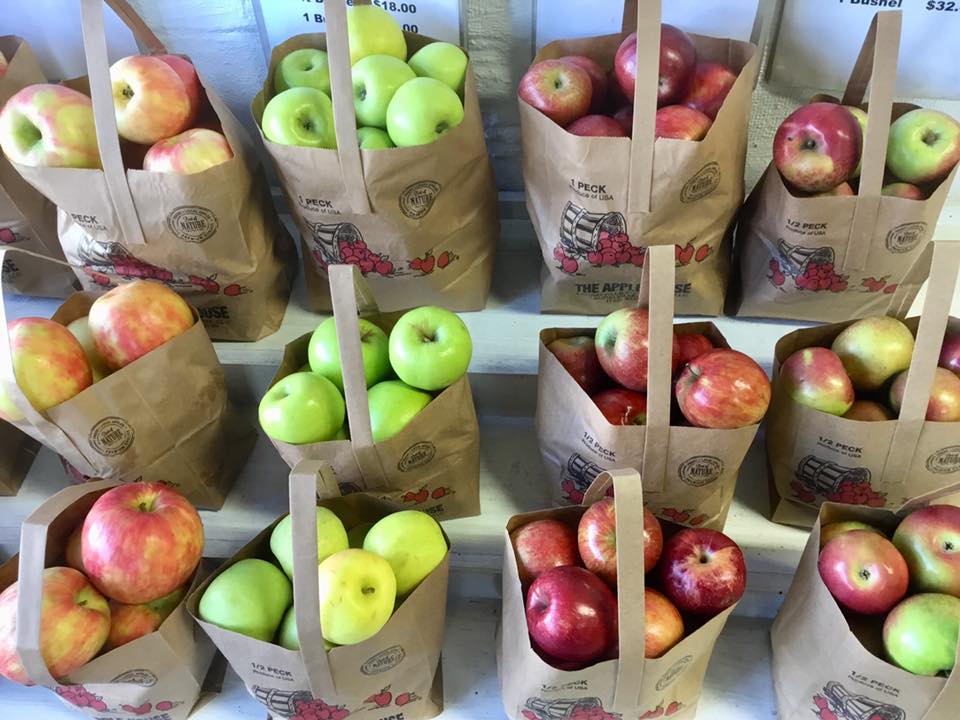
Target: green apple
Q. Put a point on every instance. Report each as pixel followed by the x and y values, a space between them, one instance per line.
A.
pixel 412 542
pixel 357 594
pixel 323 352
pixel 302 408
pixel 422 111
pixel 375 80
pixel 80 329
pixel 343 433
pixel 287 636
pixel 300 116
pixel 430 348
pixel 371 138
pixel 249 597
pixel 441 61
pixel 307 67
pixel 331 538
pixel 393 405
pixel 357 533
pixel 373 31
pixel 924 146
pixel 861 117
pixel 920 634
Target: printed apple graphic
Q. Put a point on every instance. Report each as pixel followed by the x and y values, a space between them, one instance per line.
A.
pixel 622 407
pixel 598 80
pixel 49 126
pixel 920 634
pixel 302 408
pixel 430 348
pixel 578 355
pixel 709 87
pixel 924 146
pixel 815 377
pixel 323 352
pixel 678 58
pixel 622 343
pixel 300 116
pixel 393 404
pixel 250 597
pixel 596 126
pixel 903 190
pixel 723 389
pixel 873 350
pixel 944 403
pixel 693 346
pixel 864 572
pixel 868 411
pixel 150 99
pixel 817 147
pixel 831 530
pixel 80 329
pixel 702 571
pixel 191 151
pixel 331 538
pixel 357 593
pixel 371 138
pixel 422 111
pixel 950 353
pixel 371 30
pixel 679 122
pixel 542 545
pixel 560 90
pixel 663 624
pixel 412 542
pixel 130 622
pixel 376 78
pixel 306 67
pixel 861 117
pixel 441 61
pixel 929 540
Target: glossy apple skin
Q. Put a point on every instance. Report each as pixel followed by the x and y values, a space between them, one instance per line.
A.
pixel 422 111
pixel 817 147
pixel 560 90
pixel 678 58
pixel 191 81
pixel 141 541
pixel 924 146
pixel 372 30
pixel 723 389
pixel 191 151
pixel 622 343
pixel 621 406
pixel 150 99
pixel 920 634
pixel 903 190
pixel 596 126
pixel 63 119
pixel 831 530
pixel 543 545
pixel 663 624
pixel 680 122
pixel 572 616
pixel 868 411
pixel 944 403
pixel 430 348
pixel 598 80
pixel 709 87
pixel 950 353
pixel 578 355
pixel 652 540
pixel 597 540
pixel 702 571
pixel 693 346
pixel 873 350
pixel 129 622
pixel 815 377
pixel 929 540
pixel 864 572
pixel 300 116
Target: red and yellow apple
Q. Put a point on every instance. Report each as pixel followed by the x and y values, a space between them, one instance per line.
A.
pixel 560 90
pixel 702 571
pixel 944 402
pixel 815 377
pixel 150 99
pixel 191 81
pixel 868 411
pixel 693 346
pixel 191 151
pixel 929 540
pixel 578 355
pixel 831 530
pixel 873 350
pixel 663 624
pixel 679 122
pixel 598 80
pixel 622 342
pixel 542 545
pixel 924 146
pixel 597 540
pixel 709 87
pixel 818 146
pixel 723 389
pixel 864 572
pixel 49 126
pixel 621 406
pixel 903 190
pixel 129 622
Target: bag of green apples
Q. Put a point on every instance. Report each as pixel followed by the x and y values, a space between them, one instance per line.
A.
pixel 367 645
pixel 392 175
pixel 869 629
pixel 849 424
pixel 94 384
pixel 413 440
pixel 93 609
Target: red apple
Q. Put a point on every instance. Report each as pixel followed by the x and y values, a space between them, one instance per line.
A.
pixel 868 411
pixel 950 353
pixel 929 540
pixel 598 79
pixel 831 530
pixel 903 190
pixel 842 190
pixel 723 389
pixel 596 126
pixel 560 90
pixel 709 86
pixel 864 572
pixel 578 355
pixel 129 622
pixel 624 116
pixel 815 377
pixel 140 542
pixel 191 83
pixel 678 58
pixel 818 146
pixel 652 540
pixel 663 624
pixel 615 96
pixel 597 540
pixel 622 407
pixel 702 571
pixel 944 403
pixel 693 346
pixel 572 616
pixel 542 545
pixel 622 343
pixel 680 122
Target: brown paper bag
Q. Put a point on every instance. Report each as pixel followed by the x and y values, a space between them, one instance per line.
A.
pixel 214 236
pixel 814 456
pixel 583 192
pixel 689 474
pixel 433 464
pixel 17 452
pixel 157 676
pixel 631 686
pixel 27 219
pixel 396 673
pixel 820 665
pixel 420 222
pixel 164 417
pixel 834 258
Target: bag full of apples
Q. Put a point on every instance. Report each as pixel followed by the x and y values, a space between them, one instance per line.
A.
pixel 870 627
pixel 124 386
pixel 154 178
pixel 868 412
pixel 384 398
pixel 672 400
pixel 840 224
pixel 335 610
pixel 93 608
pixel 619 155
pixel 379 147
pixel 565 649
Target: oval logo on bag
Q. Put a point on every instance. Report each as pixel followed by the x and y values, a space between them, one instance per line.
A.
pixel 417 199
pixel 945 460
pixel 192 223
pixel 702 184
pixel 111 436
pixel 700 470
pixel 674 671
pixel 906 237
pixel 384 661
pixel 143 678
pixel 417 455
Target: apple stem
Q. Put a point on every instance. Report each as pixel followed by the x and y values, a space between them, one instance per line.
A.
pixel 930 137
pixel 368 590
pixel 809 144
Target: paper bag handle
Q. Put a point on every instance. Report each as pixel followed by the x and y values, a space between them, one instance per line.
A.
pixel 31 563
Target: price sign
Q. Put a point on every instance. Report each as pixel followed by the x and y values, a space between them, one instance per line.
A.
pixel 818 43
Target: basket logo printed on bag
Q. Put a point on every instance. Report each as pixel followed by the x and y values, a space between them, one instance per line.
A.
pixel 819 478
pixel 111 436
pixel 417 199
pixel 838 703
pixel 192 223
pixel 417 455
pixel 810 268
pixel 702 184
pixel 301 705
pixel 906 237
pixel 700 470
pixel 383 661
pixel 588 708
pixel 576 475
pixel 945 460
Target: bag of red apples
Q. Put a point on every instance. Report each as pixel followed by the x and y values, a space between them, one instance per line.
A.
pixel 124 386
pixel 597 198
pixel 687 429
pixel 343 607
pixel 401 184
pixel 867 412
pixel 154 179
pixel 870 627
pixel 384 398
pixel 93 608
pixel 839 226
pixel 565 648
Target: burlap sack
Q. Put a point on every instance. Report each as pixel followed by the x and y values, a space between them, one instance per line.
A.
pixel 394 674
pixel 814 456
pixel 689 474
pixel 820 666
pixel 583 190
pixel 631 686
pixel 27 219
pixel 422 220
pixel 164 417
pixel 865 253
pixel 17 452
pixel 433 464
pixel 158 676
pixel 214 236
